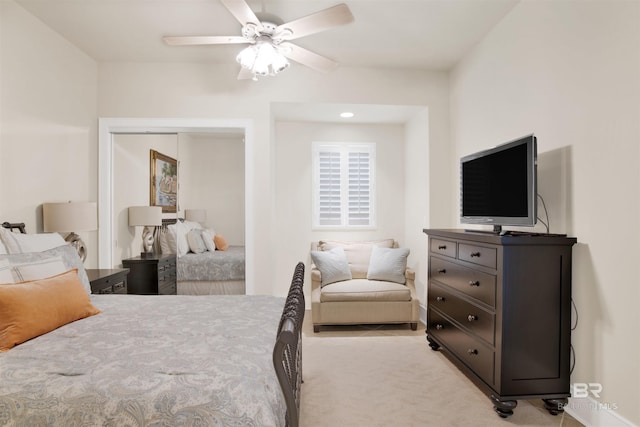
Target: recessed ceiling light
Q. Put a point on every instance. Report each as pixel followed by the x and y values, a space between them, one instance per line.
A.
pixel 346 115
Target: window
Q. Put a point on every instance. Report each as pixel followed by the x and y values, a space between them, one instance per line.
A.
pixel 344 185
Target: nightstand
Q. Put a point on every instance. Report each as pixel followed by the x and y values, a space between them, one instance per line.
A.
pixel 151 275
pixel 108 281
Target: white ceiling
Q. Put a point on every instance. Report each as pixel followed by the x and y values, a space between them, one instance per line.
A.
pixel 408 34
pixel 417 34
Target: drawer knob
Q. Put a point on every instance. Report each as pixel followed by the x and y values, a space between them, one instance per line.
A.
pixel 439 326
pixel 440 299
pixel 442 247
pixel 442 271
pixel 474 283
pixel 472 351
pixel 472 317
pixel 475 254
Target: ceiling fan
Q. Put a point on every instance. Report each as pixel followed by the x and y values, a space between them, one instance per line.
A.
pixel 268 38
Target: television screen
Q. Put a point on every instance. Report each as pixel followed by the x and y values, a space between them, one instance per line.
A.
pixel 498 186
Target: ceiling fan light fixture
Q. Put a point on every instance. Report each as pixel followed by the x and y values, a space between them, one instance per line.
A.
pixel 247 57
pixel 263 58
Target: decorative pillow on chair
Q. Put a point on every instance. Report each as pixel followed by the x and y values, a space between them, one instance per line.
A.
pixel 388 264
pixel 332 264
pixel 30 309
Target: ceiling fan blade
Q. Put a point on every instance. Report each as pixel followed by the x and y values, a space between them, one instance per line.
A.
pixel 241 11
pixel 245 74
pixel 308 58
pixel 316 22
pixel 200 40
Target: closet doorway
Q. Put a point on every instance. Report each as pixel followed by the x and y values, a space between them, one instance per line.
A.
pixel 193 133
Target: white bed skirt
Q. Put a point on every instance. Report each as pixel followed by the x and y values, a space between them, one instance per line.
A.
pixel 203 287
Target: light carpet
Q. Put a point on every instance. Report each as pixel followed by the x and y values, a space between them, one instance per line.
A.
pixel 388 376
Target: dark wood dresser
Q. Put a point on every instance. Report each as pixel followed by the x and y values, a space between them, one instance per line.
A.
pixel 152 275
pixel 499 307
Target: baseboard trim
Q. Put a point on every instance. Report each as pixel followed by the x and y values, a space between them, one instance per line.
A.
pixel 592 413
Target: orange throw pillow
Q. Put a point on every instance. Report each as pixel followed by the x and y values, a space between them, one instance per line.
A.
pixel 30 309
pixel 221 243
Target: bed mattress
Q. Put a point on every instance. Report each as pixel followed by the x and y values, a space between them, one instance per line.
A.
pixel 150 360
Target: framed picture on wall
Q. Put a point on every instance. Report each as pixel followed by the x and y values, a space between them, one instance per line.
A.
pixel 164 182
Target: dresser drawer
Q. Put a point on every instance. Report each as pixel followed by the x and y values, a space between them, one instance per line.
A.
pixel 474 283
pixel 477 320
pixel 480 255
pixel 443 247
pixel 471 351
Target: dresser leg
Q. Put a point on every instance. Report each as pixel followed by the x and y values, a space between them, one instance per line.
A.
pixel 434 345
pixel 555 406
pixel 504 408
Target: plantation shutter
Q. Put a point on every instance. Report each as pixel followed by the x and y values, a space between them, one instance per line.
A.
pixel 344 185
pixel 330 210
pixel 359 189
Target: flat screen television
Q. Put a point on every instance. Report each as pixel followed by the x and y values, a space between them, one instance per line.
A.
pixel 499 185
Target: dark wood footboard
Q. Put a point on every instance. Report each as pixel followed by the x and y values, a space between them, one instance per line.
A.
pixel 287 352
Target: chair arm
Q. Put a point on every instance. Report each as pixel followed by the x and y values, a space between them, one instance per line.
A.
pixel 409 274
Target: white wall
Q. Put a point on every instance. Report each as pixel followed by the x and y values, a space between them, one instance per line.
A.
pixel 212 91
pixel 212 178
pixel 293 187
pixel 570 72
pixel 48 127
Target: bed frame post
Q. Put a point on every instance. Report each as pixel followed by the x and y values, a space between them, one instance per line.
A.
pixel 287 352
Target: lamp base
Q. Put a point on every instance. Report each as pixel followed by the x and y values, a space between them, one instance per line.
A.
pixel 78 244
pixel 146 254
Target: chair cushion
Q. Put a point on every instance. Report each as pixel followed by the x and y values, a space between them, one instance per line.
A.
pixel 358 253
pixel 365 290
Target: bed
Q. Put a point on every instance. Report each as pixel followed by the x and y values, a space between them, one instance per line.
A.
pixel 211 272
pixel 162 360
pixel 202 268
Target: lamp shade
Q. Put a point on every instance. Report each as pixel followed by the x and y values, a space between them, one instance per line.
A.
pixel 195 215
pixel 145 215
pixel 70 217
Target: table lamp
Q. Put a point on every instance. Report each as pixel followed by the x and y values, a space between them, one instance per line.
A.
pixel 71 217
pixel 149 217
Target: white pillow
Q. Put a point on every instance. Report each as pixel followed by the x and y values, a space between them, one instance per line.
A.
pixel 170 243
pixel 3 248
pixel 207 238
pixel 18 243
pixel 182 246
pixel 196 244
pixel 191 225
pixel 67 253
pixel 388 264
pixel 5 272
pixel 332 264
pixel 40 269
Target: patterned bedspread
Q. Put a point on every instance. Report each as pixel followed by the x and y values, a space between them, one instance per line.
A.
pixel 217 265
pixel 150 361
